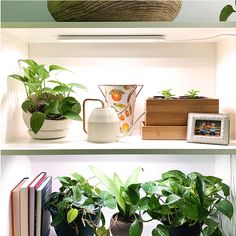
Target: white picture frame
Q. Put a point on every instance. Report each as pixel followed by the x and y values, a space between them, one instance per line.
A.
pixel 208 128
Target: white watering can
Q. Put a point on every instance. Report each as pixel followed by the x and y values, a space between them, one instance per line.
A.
pixel 103 124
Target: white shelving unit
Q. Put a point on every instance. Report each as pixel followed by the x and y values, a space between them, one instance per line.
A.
pixel 192 57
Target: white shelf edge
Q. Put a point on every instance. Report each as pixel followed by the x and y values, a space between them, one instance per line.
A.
pixel 132 145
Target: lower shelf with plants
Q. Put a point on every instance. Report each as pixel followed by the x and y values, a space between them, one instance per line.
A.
pixel 178 204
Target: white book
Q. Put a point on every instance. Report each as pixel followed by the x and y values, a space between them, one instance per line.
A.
pixel 24 207
pixel 42 214
pixel 32 202
pixel 15 208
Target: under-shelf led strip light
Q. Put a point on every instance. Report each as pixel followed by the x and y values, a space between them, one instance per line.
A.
pixel 111 38
pixel 128 38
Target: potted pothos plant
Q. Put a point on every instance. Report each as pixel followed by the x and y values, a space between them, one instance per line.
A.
pixel 126 221
pixel 76 207
pixel 188 204
pixel 49 106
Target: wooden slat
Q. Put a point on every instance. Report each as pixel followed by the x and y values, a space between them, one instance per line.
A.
pixel 175 112
pixel 164 132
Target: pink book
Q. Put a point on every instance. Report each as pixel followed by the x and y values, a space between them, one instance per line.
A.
pixel 15 208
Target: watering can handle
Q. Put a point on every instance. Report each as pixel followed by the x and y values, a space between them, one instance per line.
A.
pixel 84 117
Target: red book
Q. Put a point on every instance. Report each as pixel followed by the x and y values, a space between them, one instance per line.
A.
pixel 15 208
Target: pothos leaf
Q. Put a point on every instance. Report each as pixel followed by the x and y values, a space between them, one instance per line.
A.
pixel 36 121
pixel 226 12
pixel 26 105
pixel 71 215
pixel 135 229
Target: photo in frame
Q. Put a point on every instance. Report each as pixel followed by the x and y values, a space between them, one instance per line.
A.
pixel 208 128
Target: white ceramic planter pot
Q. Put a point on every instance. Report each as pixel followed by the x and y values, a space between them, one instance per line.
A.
pixel 51 129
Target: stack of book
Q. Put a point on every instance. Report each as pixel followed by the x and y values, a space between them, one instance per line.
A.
pixel 28 198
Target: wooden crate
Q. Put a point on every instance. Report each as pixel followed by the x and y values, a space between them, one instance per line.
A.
pixel 163 132
pixel 174 112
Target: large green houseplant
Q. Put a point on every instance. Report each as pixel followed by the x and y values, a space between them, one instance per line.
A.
pixel 188 204
pixel 126 221
pixel 47 99
pixel 76 207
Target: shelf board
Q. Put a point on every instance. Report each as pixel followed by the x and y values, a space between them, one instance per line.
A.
pixel 172 34
pixel 136 24
pixel 129 145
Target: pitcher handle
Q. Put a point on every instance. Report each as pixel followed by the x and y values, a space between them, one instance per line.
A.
pixel 141 87
pixel 84 117
pixel 100 88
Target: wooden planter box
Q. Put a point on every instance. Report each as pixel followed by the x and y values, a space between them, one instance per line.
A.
pixel 174 112
pixel 163 132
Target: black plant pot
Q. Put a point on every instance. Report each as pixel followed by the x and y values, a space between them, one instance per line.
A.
pixel 76 228
pixel 185 230
pixel 120 228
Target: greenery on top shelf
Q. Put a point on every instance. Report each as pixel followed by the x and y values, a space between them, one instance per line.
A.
pixel 226 12
pixel 47 98
pixel 192 93
pixel 167 94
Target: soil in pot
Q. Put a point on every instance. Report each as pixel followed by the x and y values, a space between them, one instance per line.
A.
pixel 188 97
pixel 76 228
pixel 120 226
pixel 185 230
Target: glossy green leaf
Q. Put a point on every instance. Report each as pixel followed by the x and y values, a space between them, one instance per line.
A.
pixel 172 199
pixel 102 231
pixel 53 108
pixel 133 178
pixel 26 105
pixel 28 62
pixel 76 108
pixel 77 85
pixel 71 215
pixel 78 177
pixel 109 185
pixel 226 12
pixel 18 77
pixel 173 174
pixel 56 67
pixel 108 199
pixel 72 115
pixel 160 230
pixel 149 187
pixel 225 207
pixel 36 121
pixel 76 192
pixel 42 72
pixel 131 196
pixel 135 229
pixel 210 228
pixel 225 189
pixel 143 204
pixel 62 89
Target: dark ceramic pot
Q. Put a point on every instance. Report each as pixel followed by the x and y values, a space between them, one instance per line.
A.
pixel 65 229
pixel 185 230
pixel 119 228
